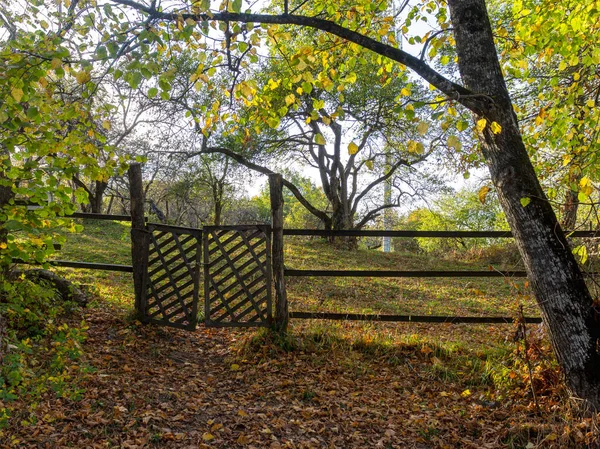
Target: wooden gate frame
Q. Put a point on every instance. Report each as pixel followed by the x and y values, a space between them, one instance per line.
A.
pixel 209 236
pixel 187 315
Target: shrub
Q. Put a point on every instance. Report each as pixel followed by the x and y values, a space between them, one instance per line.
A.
pixel 42 355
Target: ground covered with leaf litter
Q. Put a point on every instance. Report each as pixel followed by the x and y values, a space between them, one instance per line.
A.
pixel 350 386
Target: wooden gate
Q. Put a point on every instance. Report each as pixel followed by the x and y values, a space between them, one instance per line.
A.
pixel 171 280
pixel 237 275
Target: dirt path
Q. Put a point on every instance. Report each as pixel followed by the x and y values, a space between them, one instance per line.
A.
pixel 167 388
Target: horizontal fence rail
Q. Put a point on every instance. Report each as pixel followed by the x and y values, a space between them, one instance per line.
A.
pixel 410 318
pixel 406 274
pixel 111 217
pixel 434 234
pixel 83 265
pixel 82 215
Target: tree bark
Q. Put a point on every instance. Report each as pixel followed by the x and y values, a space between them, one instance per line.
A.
pixel 95 197
pixel 97 200
pixel 139 236
pixel 281 303
pixel 6 194
pixel 557 282
pixel 569 215
pixel 68 291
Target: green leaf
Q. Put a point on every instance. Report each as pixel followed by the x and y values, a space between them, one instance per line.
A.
pixel 462 125
pixel 152 92
pixel 32 113
pixel 319 139
pixel 236 6
pixel 525 201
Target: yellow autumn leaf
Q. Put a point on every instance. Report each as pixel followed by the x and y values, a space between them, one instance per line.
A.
pixel 351 78
pixel 290 99
pixel 352 148
pixel 55 63
pixel 454 142
pixel 415 147
pixel 207 436
pixel 106 125
pixel 585 186
pixel 574 60
pixel 496 128
pixel 562 65
pixel 17 94
pixel 235 367
pixel 422 128
pixel 369 164
pixel 242 440
pixel 466 393
pixel 481 124
pixel 319 139
pixel 405 92
pixel 83 77
pixel 483 192
pixel 590 103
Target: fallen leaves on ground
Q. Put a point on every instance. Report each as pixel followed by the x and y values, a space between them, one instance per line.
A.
pixel 167 388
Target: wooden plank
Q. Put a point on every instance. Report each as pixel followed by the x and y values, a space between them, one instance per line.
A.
pixel 238 276
pixel 107 217
pixel 433 234
pixel 277 253
pixel 170 275
pixel 407 274
pixel 196 274
pixel 176 303
pixel 177 229
pixel 82 265
pixel 139 235
pixel 409 318
pixel 269 278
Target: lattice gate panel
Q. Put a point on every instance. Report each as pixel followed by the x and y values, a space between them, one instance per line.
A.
pixel 237 275
pixel 171 284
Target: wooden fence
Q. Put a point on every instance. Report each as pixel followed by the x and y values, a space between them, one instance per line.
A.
pixel 140 236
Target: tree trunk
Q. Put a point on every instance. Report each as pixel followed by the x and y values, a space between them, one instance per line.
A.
pixel 571 206
pixel 96 199
pixel 569 216
pixel 557 282
pixel 6 194
pixel 218 211
pixel 340 220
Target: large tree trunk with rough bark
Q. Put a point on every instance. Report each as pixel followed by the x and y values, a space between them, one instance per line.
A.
pixel 557 282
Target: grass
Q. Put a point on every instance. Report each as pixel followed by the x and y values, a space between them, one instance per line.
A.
pixel 465 370
pixel 103 242
pixel 477 354
pixel 425 296
pixel 109 242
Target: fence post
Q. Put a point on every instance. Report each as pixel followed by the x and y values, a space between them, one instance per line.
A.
pixel 281 304
pixel 139 237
